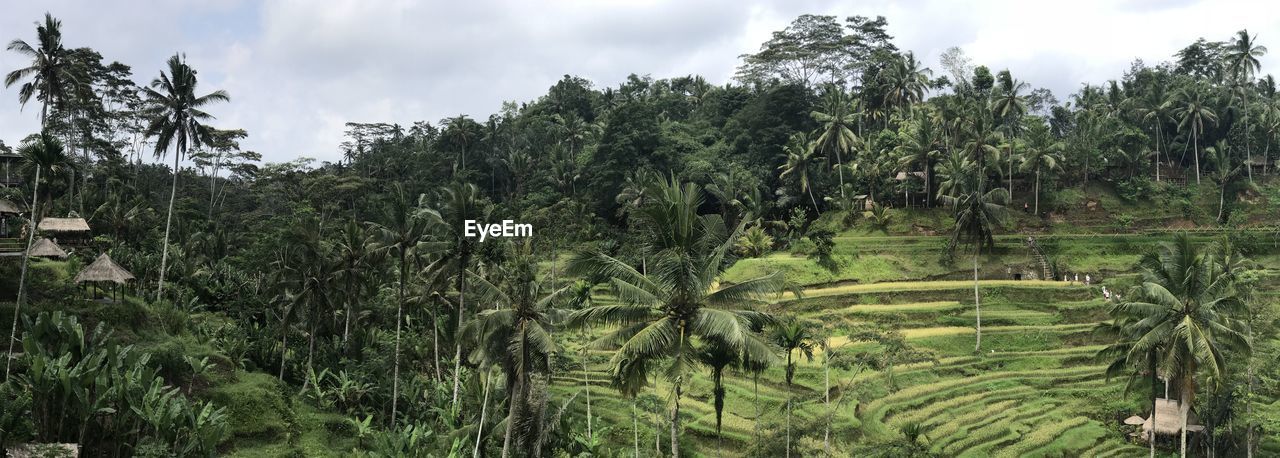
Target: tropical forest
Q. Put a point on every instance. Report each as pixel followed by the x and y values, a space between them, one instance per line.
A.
pixel 842 250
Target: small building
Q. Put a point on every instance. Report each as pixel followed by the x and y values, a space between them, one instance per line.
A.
pixel 104 270
pixel 69 231
pixel 45 248
pixel 7 210
pixel 1169 420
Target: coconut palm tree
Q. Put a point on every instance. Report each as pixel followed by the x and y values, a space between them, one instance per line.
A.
pixel 516 336
pixel 1242 57
pixel 1008 107
pixel 905 83
pixel 920 147
pixel 1189 310
pixel 1191 109
pixel 355 261
pixel 39 153
pixel 667 313
pixel 794 335
pixel 1224 172
pixel 458 203
pixel 403 233
pixel 177 119
pixel 977 215
pixel 51 72
pixel 1044 153
pixel 801 155
pixel 837 120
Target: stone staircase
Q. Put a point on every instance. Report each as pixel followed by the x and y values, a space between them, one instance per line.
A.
pixel 1046 269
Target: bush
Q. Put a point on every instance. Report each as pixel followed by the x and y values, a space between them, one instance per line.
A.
pixel 1135 189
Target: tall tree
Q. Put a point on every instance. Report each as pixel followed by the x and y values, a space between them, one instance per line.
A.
pixel 1044 153
pixel 1190 311
pixel 177 120
pixel 39 153
pixel 978 214
pixel 801 156
pixel 1191 108
pixel 1242 57
pixel 666 313
pixel 793 335
pixel 51 72
pixel 837 120
pixel 403 233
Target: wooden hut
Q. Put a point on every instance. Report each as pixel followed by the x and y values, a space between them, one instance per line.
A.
pixel 104 269
pixel 1169 420
pixel 45 248
pixel 7 210
pixel 71 231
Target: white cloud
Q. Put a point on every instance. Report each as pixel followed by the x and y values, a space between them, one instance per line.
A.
pixel 297 70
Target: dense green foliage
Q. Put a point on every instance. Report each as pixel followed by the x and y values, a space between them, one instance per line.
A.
pixel 762 268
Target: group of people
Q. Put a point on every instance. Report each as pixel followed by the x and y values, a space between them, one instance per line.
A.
pixel 1076 279
pixel 1106 294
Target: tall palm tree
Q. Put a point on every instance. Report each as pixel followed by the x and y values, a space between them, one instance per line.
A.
pixel 39 152
pixel 51 71
pixel 403 233
pixel 1224 172
pixel 717 357
pixel 793 335
pixel 668 312
pixel 977 215
pixel 1189 310
pixel 921 147
pixel 801 155
pixel 355 260
pixel 1044 153
pixel 1242 57
pixel 1192 110
pixel 458 203
pixel 837 120
pixel 1008 107
pixel 905 83
pixel 516 336
pixel 177 119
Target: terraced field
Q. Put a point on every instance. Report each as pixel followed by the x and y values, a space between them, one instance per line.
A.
pixel 1035 389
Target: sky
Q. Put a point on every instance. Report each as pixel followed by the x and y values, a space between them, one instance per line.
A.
pixel 298 70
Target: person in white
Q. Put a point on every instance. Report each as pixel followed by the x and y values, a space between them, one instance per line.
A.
pixel 1086 279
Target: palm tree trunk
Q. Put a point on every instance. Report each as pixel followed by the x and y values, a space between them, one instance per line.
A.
pixel 586 385
pixel 1185 411
pixel 977 300
pixel 1157 152
pixel 484 409
pixel 395 372
pixel 840 171
pixel 635 429
pixel 826 393
pixel 1222 199
pixel 1247 153
pixel 168 224
pixel 435 341
pixel 675 422
pixel 1038 189
pixel 284 344
pixel 815 201
pixel 462 307
pixel 22 277
pixel 1151 364
pixel 1195 145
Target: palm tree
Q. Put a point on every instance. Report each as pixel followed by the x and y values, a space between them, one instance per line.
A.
pixel 921 147
pixel 793 335
pixel 1192 111
pixel 516 336
pixel 977 214
pixel 177 119
pixel 403 233
pixel 1009 106
pixel 837 132
pixel 1187 310
pixel 460 202
pixel 801 156
pixel 905 82
pixel 1043 153
pixel 668 312
pixel 51 70
pixel 1242 57
pixel 1224 173
pixel 39 152
pixel 355 260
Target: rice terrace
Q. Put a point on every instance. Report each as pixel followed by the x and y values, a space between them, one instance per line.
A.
pixel 851 237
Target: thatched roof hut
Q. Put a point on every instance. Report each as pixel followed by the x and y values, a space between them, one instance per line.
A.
pixel 1169 419
pixel 45 248
pixel 63 225
pixel 104 269
pixel 9 208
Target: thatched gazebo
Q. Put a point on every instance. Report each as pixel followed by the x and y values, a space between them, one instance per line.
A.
pixel 45 248
pixel 104 269
pixel 1169 420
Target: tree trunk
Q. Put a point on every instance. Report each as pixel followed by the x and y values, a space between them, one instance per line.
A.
pixel 1185 411
pixel 462 307
pixel 22 277
pixel 586 385
pixel 1151 364
pixel 635 429
pixel 168 223
pixel 840 171
pixel 284 345
pixel 1222 199
pixel 435 341
pixel 977 300
pixel 1195 149
pixel 815 201
pixel 395 372
pixel 1038 190
pixel 1158 152
pixel 675 422
pixel 826 393
pixel 484 409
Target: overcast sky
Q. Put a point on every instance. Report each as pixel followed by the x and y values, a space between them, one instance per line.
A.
pixel 298 70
